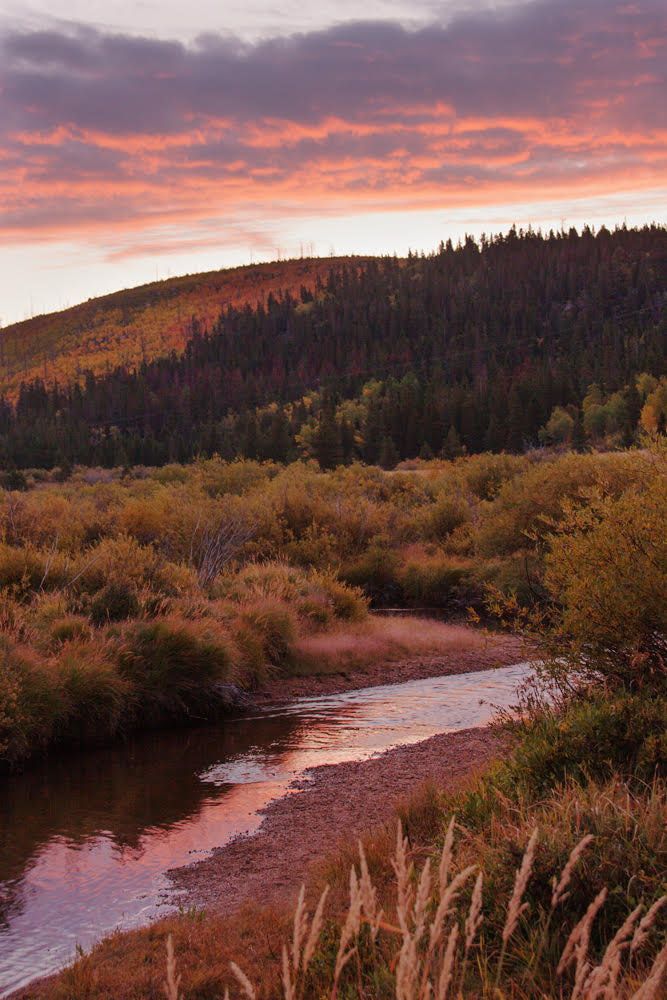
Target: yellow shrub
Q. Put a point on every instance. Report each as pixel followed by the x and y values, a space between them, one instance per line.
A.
pixel 524 505
pixel 607 569
pixel 123 558
pixel 25 569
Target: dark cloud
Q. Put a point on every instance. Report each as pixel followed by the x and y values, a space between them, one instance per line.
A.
pixel 552 82
pixel 534 58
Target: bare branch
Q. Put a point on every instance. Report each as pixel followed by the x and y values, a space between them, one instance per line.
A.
pixel 213 546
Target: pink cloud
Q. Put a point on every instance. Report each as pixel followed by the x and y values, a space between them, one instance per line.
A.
pixel 545 100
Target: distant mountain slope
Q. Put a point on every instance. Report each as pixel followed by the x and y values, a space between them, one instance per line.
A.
pixel 474 347
pixel 141 323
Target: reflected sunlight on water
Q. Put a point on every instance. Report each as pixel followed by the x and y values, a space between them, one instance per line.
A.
pixel 86 840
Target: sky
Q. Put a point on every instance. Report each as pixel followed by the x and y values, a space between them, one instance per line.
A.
pixel 144 139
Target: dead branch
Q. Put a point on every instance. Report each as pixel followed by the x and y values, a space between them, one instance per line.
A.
pixel 213 546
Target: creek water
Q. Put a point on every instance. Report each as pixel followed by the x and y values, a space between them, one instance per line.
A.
pixel 87 840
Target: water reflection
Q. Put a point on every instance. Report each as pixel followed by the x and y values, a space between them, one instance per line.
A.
pixel 86 840
pixel 149 783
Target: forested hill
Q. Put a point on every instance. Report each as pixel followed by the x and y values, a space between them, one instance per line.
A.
pixel 472 347
pixel 135 324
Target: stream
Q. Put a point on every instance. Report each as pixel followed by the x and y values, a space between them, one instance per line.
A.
pixel 87 839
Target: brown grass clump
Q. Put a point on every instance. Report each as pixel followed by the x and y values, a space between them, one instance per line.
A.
pixel 273 623
pixel 381 640
pixel 69 628
pixel 174 665
pixel 317 597
pixel 129 966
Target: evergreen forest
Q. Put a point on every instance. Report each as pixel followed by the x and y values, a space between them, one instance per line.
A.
pixel 518 340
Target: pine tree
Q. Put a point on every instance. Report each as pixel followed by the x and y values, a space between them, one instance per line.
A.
pixel 452 447
pixel 328 445
pixel 633 407
pixel 578 439
pixel 347 440
pixel 388 454
pixel 279 443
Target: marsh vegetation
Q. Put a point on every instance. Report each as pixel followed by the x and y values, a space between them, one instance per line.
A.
pixel 149 597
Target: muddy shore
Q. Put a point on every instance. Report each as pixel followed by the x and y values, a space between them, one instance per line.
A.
pixel 326 807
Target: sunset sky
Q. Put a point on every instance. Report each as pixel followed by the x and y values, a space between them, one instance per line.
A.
pixel 152 138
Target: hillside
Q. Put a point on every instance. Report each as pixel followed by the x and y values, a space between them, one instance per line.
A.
pixel 137 324
pixel 489 347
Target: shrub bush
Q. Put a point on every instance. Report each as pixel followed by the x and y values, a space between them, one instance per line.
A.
pixel 518 576
pixel 347 603
pixel 173 666
pixel 484 475
pixel 122 558
pixel 26 569
pixel 114 603
pixel 525 506
pixel 315 546
pixel 606 570
pixel 434 582
pixel 274 625
pixel 317 596
pixel 594 736
pixel 239 477
pixel 96 698
pixel 444 516
pixel 377 571
pixel 31 701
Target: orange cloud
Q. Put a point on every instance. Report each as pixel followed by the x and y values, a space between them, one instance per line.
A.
pixel 107 134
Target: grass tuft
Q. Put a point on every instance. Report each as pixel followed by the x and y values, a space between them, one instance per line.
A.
pixel 174 665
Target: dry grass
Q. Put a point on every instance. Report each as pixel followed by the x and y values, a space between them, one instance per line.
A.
pixel 421 947
pixel 382 640
pixel 131 965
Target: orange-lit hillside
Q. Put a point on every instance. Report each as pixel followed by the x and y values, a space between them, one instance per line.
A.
pixel 137 323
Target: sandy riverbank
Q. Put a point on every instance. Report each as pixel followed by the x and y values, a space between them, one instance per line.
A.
pixel 328 806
